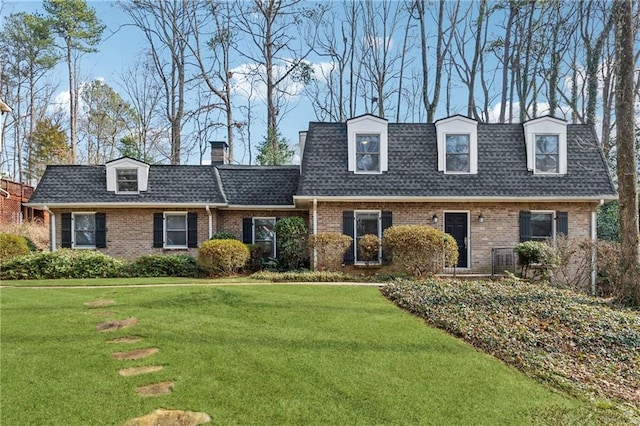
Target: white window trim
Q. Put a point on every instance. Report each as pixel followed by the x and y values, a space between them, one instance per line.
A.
pixel 73 231
pixel 444 224
pixel 369 125
pixel 355 232
pixel 164 231
pixel 457 125
pixel 253 231
pixel 553 222
pixel 137 180
pixel 546 126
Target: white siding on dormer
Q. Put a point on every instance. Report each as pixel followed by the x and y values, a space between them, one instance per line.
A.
pixel 368 124
pixel 127 163
pixel 546 126
pixel 457 125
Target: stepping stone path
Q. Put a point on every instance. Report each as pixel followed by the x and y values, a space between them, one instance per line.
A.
pixel 159 417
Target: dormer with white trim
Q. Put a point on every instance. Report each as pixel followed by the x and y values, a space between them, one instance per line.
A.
pixel 127 176
pixel 457 145
pixel 367 138
pixel 546 143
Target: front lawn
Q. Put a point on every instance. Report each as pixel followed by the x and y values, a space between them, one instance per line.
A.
pixel 264 354
pixel 137 281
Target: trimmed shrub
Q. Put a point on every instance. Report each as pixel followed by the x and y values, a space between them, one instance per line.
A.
pixel 11 246
pixel 303 276
pixel 63 263
pixel 419 249
pixel 222 256
pixel 330 249
pixel 223 236
pixel 538 258
pixel 255 257
pixel 369 248
pixel 164 265
pixel 292 242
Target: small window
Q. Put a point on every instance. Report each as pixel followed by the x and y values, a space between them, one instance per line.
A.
pixel 547 150
pixel 84 230
pixel 458 153
pixel 264 235
pixel 175 228
pixel 127 180
pixel 541 226
pixel 367 153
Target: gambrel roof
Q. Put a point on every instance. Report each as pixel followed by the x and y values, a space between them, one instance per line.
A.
pixel 413 166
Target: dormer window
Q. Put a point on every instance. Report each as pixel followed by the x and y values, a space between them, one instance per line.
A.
pixel 127 176
pixel 546 143
pixel 457 145
pixel 458 150
pixel 127 180
pixel 367 153
pixel 367 138
pixel 547 149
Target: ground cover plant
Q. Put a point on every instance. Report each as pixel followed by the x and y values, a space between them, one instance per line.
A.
pixel 254 355
pixel 576 342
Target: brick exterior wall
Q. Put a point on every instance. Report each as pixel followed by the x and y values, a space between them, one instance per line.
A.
pixel 130 231
pixel 500 228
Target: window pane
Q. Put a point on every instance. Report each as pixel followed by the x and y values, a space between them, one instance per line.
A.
pixel 457 144
pixel 546 163
pixel 84 232
pixel 546 144
pixel 457 162
pixel 541 226
pixel 367 143
pixel 176 222
pixel 127 180
pixel 176 238
pixel 367 162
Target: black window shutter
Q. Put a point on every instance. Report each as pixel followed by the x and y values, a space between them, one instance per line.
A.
pixel 347 229
pixel 192 230
pixel 158 229
pixel 386 220
pixel 247 230
pixel 66 230
pixel 525 226
pixel 562 223
pixel 101 230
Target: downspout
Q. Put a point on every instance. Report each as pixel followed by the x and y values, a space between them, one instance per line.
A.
pixel 210 220
pixel 52 227
pixel 315 232
pixel 594 248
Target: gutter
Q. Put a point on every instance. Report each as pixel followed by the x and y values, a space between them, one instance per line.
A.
pixel 52 227
pixel 315 232
pixel 440 199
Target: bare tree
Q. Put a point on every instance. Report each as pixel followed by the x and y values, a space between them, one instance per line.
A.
pixel 167 26
pixel 626 153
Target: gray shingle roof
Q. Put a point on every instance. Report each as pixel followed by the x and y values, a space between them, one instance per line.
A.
pixel 259 185
pixel 167 184
pixel 413 165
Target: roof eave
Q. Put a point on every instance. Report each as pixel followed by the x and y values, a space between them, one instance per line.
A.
pixel 123 205
pixel 478 199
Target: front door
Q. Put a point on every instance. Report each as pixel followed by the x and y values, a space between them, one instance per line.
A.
pixel 455 224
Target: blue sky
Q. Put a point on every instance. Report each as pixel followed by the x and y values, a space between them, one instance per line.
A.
pixel 121 46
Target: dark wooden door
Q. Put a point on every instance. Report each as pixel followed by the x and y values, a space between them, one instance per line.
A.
pixel 455 224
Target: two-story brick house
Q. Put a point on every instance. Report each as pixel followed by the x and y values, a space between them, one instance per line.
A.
pixel 488 185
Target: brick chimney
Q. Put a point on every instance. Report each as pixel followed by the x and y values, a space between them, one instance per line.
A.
pixel 219 153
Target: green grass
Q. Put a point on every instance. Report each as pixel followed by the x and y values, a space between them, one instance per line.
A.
pixel 263 354
pixel 88 282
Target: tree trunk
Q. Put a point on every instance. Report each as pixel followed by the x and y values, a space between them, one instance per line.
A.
pixel 629 287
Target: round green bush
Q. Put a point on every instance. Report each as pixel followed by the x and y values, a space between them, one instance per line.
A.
pixel 164 265
pixel 420 249
pixel 11 246
pixel 224 257
pixel 369 248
